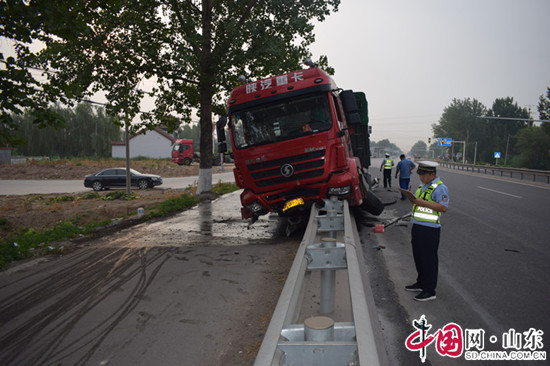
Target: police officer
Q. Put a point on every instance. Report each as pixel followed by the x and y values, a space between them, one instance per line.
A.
pixel 430 200
pixel 387 164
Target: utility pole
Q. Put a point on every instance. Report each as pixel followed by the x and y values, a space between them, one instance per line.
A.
pixel 463 150
pixel 506 153
pixel 127 140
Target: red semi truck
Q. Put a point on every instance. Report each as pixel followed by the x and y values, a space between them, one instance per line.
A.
pixel 182 152
pixel 297 139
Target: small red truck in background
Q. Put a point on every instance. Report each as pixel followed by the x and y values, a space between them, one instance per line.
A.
pixel 296 139
pixel 182 152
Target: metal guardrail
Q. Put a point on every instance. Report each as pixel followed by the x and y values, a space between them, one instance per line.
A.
pixel 535 175
pixel 328 266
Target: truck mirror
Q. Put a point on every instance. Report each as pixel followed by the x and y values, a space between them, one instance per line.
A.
pixel 222 147
pixel 220 129
pixel 341 133
pixel 348 101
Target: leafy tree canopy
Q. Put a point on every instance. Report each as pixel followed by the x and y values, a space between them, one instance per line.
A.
pixel 460 120
pixel 544 110
pixel 385 145
pixel 88 132
pixel 533 145
pixel 419 146
pixel 192 50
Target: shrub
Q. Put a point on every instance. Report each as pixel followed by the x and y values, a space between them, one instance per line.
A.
pixel 57 199
pixel 118 195
pixel 174 205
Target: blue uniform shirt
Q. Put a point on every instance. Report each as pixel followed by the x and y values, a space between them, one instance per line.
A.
pixel 439 195
pixel 404 168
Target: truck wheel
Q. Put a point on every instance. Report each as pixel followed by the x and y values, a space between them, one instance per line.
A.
pixel 372 204
pixel 187 161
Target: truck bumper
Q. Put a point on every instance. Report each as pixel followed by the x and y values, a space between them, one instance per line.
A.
pixel 343 185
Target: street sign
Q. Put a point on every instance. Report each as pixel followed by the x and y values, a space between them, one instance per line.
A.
pixel 497 155
pixel 444 141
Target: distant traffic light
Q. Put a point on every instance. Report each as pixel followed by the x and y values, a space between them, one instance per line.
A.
pixel 429 140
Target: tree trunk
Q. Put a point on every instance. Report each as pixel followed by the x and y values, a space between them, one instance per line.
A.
pixel 205 87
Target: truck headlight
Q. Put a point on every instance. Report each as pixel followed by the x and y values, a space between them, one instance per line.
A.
pixel 339 191
pixel 255 207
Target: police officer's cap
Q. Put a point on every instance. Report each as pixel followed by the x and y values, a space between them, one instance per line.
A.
pixel 425 167
pixel 387 155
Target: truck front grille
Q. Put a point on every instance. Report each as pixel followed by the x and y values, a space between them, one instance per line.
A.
pixel 308 165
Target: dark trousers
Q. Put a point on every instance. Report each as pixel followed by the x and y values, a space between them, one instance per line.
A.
pixel 404 184
pixel 425 243
pixel 387 178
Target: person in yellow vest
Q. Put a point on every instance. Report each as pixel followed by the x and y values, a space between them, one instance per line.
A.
pixel 430 200
pixel 387 165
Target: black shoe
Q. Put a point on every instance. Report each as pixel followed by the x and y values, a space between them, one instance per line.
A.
pixel 414 288
pixel 425 296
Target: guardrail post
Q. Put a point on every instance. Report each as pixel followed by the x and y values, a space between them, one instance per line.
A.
pixel 328 281
pixel 319 340
pixel 319 329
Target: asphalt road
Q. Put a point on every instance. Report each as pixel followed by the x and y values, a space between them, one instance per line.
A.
pixel 195 289
pixel 129 300
pixel 493 272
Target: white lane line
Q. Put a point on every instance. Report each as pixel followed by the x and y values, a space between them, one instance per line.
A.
pixel 492 190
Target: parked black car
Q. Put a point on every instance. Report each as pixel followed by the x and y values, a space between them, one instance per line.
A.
pixel 116 177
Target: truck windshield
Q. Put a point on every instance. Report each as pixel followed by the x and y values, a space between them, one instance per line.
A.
pixel 282 120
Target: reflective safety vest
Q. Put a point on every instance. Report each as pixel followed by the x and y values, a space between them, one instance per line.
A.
pixel 388 163
pixel 426 214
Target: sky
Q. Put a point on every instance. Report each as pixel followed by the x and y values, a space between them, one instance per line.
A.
pixel 413 57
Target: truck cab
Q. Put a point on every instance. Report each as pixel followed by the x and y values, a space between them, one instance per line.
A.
pixel 182 152
pixel 291 137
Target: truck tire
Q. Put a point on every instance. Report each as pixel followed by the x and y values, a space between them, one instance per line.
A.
pixel 187 161
pixel 372 204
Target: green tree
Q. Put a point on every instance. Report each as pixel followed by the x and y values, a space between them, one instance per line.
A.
pixel 384 146
pixel 419 148
pixel 544 105
pixel 20 89
pixel 544 110
pixel 499 133
pixel 193 50
pixel 88 132
pixel 533 144
pixel 460 121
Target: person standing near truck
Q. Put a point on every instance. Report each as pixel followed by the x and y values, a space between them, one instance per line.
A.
pixel 404 168
pixel 429 201
pixel 387 165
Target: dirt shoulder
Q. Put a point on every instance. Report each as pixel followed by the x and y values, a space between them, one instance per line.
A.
pixel 78 169
pixel 44 211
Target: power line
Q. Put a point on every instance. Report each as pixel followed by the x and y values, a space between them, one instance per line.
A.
pixel 515 119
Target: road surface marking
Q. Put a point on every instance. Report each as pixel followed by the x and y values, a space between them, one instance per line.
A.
pixel 492 190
